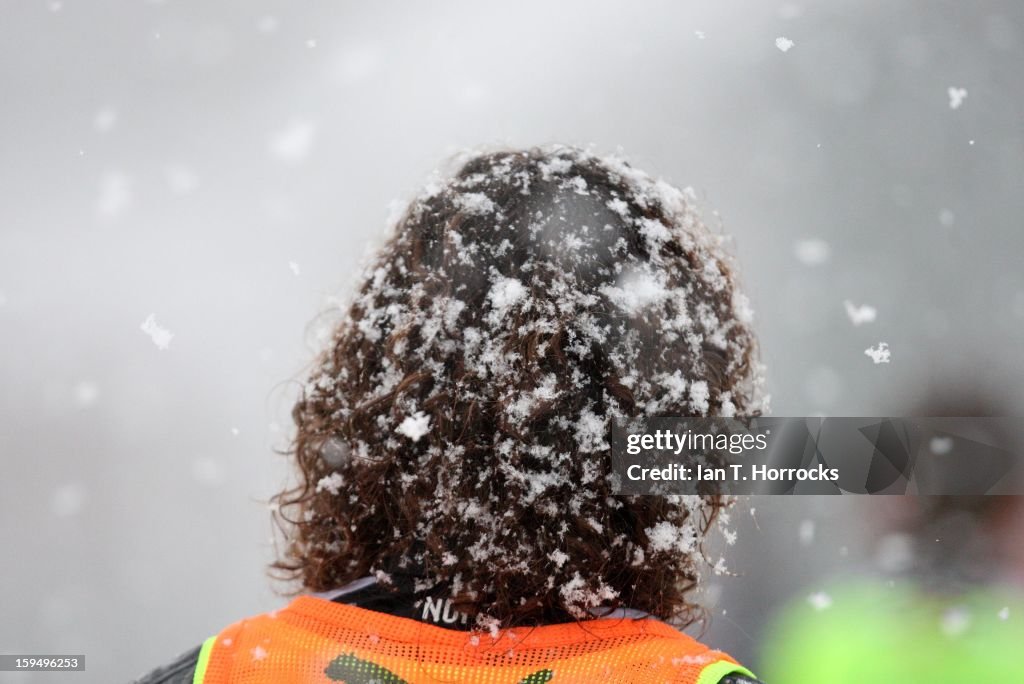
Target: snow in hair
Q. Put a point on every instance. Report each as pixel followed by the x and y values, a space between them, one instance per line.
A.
pixel 518 307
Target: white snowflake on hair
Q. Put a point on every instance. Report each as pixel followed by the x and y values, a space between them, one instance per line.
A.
pixel 415 426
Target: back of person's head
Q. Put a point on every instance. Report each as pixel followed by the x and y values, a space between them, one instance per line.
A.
pixel 456 429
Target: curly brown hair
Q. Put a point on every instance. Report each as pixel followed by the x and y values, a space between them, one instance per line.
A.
pixel 456 426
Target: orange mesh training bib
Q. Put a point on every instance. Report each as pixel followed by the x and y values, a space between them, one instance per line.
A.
pixel 315 640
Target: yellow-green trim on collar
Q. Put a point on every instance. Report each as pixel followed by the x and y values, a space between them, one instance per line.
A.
pixel 715 671
pixel 204 660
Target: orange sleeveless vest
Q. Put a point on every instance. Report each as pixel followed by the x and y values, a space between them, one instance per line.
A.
pixel 315 640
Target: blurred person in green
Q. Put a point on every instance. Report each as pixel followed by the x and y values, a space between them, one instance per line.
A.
pixel 904 629
pixel 947 606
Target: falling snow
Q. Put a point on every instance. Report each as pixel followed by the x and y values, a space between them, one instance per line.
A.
pixel 878 354
pixel 812 252
pixel 790 10
pixel 68 500
pixel 859 315
pixel 955 621
pixel 161 336
pixel 208 472
pixel 293 143
pixel 820 600
pixel 105 120
pixel 86 393
pixel 181 180
pixel 806 532
pixel 115 194
pixel 956 96
pixel 268 24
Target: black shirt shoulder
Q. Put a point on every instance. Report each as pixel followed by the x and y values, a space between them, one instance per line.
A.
pixel 181 671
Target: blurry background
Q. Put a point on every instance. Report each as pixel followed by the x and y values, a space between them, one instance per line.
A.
pixel 224 167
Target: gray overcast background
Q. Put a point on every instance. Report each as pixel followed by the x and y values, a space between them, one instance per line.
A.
pixel 225 167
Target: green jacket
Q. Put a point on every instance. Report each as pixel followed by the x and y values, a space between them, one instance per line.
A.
pixel 896 632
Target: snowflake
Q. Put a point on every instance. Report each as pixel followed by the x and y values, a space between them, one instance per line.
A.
pixel 812 252
pixel 115 194
pixel 860 314
pixel 820 600
pixel 161 336
pixel 332 483
pixel 293 143
pixel 956 96
pixel 879 354
pixel 415 426
pixel 806 532
pixel 955 621
pixel 105 119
